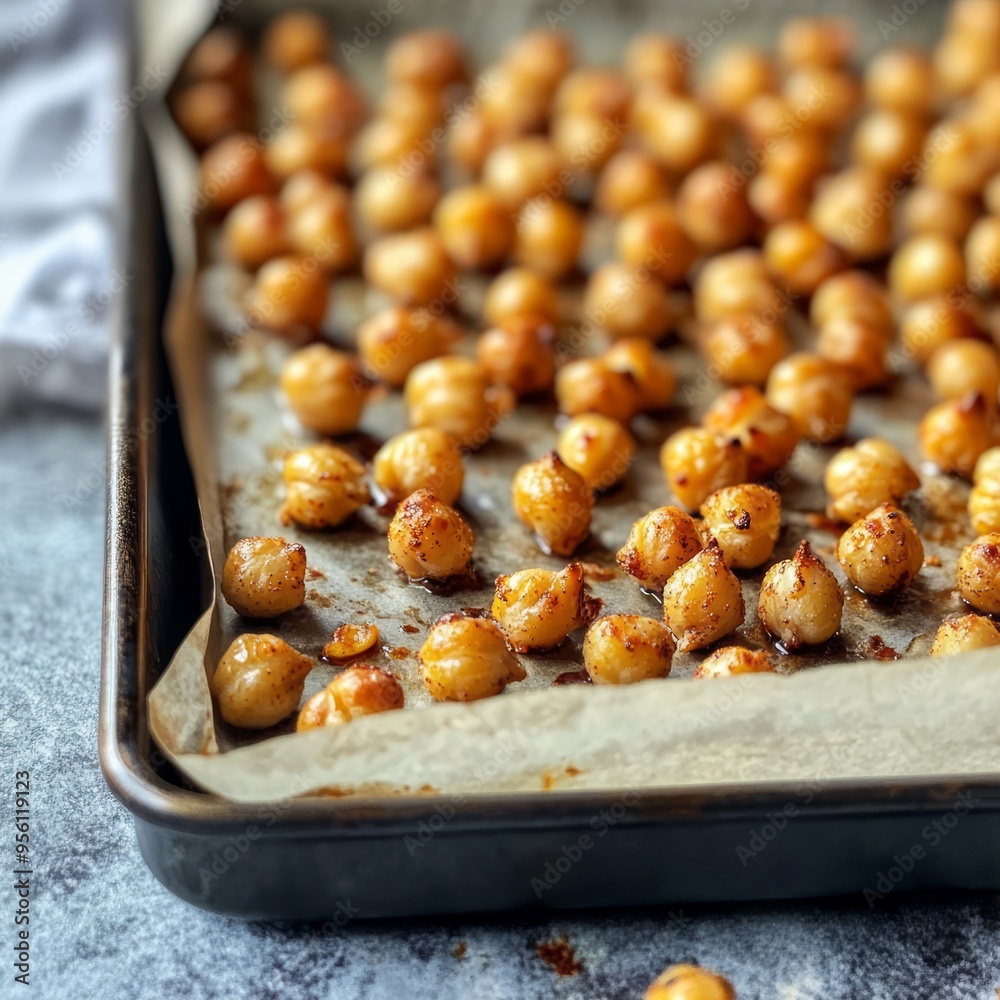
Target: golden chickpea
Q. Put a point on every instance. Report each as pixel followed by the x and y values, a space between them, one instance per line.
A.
pixel 800 600
pixel 520 354
pixel 651 371
pixel 630 179
pixel 289 296
pixel 736 77
pixel 390 200
pixel 817 41
pixel 984 500
pixel 865 476
pixel 394 341
pixel 555 502
pixel 323 98
pixel 209 111
pixel 926 265
pixel 599 449
pixel 815 392
pixel 432 58
pixel 413 267
pixel 855 295
pixel 889 141
pixel 317 146
pixel 827 98
pixel 742 350
pixel 596 91
pixel 549 236
pixel 465 659
pixel 349 641
pixel 798 159
pixel 678 131
pixel 394 144
pixel 703 600
pixel 978 573
pixel 712 207
pixel 955 433
pixel 697 462
pixel 522 169
pixel 357 691
pixel 962 61
pixel 538 608
pixel 323 230
pixel 960 367
pixel 231 170
pixel 733 660
pixel 658 544
pixel 858 347
pixel 423 459
pixel 745 520
pixel 415 102
pixel 519 291
pixel 254 232
pixel 656 61
pixel 982 253
pixel 301 189
pixel 847 210
pixel 295 39
pixel 800 257
pixel 221 54
pixel 264 577
pixel 651 236
pixel 429 540
pixel 961 635
pixel 767 435
pixel 927 325
pixel 627 649
pixel 471 139
pixel 514 103
pixel 955 159
pixel 881 552
pixel 769 117
pixel 259 681
pixel 732 284
pixel 324 486
pixel 929 209
pixel 324 389
pixel 590 385
pixel 543 55
pixel 475 226
pixel 902 79
pixel 627 302
pixel 987 466
pixel 774 199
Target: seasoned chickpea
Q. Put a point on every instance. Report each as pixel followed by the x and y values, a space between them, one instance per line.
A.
pixel 289 296
pixel 393 143
pixel 961 635
pixel 264 577
pixel 471 140
pixel 689 982
pixel 357 691
pixel 889 141
pixel 982 252
pixel 881 552
pixel 826 98
pixel 657 61
pixel 324 486
pixel 926 265
pixel 322 95
pixel 390 200
pixel 955 158
pixel 465 659
pixel 703 600
pixel 519 291
pixel 627 302
pixel 301 189
pixel 736 77
pixel 394 341
pixel 538 608
pixel 350 641
pixel 742 350
pixel 651 371
pixel 959 367
pixel 324 389
pixel 549 236
pixel 931 323
pixel 767 435
pixel 696 462
pixel 432 57
pixel 800 600
pixel 734 283
pixel 413 267
pixel 962 60
pixel 651 236
pixel 209 111
pixel 475 226
pixel 858 347
pixel 522 169
pixel 585 143
pixel 929 209
pixel 853 294
pixel 416 102
pixel 594 90
pixel 295 39
pixel 590 385
pixel 775 199
pixel 259 681
pixel 542 54
pixel 984 500
pixel 231 170
pixel 323 230
pixel 815 392
pixel 745 520
pixel 843 212
pixel 630 179
pixel 429 540
pixel 598 448
pixel 800 257
pixel 732 660
pixel 626 649
pixel 817 41
pixel 798 159
pixel 978 573
pixel 955 433
pixel 901 79
pixel 678 131
pixel 423 459
pixel 658 544
pixel 321 147
pixel 555 502
pixel 514 103
pixel 254 232
pixel 860 478
pixel 712 206
pixel 520 354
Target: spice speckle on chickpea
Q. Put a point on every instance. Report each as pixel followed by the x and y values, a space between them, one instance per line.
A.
pixel 745 520
pixel 881 552
pixel 324 486
pixel 800 600
pixel 731 661
pixel 555 502
pixel 658 544
pixel 960 635
pixel 264 577
pixel 626 649
pixel 357 691
pixel 979 573
pixel 428 540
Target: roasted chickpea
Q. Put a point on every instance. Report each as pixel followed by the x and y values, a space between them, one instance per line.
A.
pixel 745 520
pixel 889 141
pixel 264 577
pixel 259 681
pixel 817 41
pixel 984 500
pixel 322 95
pixel 703 600
pixel 678 131
pixel 712 206
pixel 768 117
pixel 651 371
pixel 775 200
pixel 295 39
pixel 416 102
pixel 323 487
pixel 465 659
pixel 209 111
pixel 978 573
pixel 982 252
pixel 514 103
pixel 475 226
pixel 357 691
pixel 520 354
pixel 394 341
pixel 855 295
pixel 231 170
pixel 962 61
pixel 221 54
pixel 697 462
pixel 843 212
pixel 599 449
pixel 323 231
pixel 630 179
pixel 798 159
pixel 881 552
pixel 800 257
pixel 987 466
pixel 858 347
pixel 656 61
pixel 815 392
pixel 800 600
pixel 651 236
pixel 927 325
pixel 626 649
pixel 522 169
pixel 432 58
pixel 289 296
pixel 860 478
pixel 826 98
pixel 519 291
pixel 742 350
pixel 658 544
pixel 627 302
pixel 960 367
pixel 955 433
pixel 549 236
pixel 390 200
pixel 901 79
pixel 301 189
pixel 429 540
pixel 925 266
pixel 955 158
pixel 423 459
pixel 555 502
pixel 538 608
pixel 542 55
pixel 732 660
pixel 736 77
pixel 991 198
pixel 590 385
pixel 961 635
pixel 585 143
pixel 413 267
pixel 324 389
pixel 689 982
pixel 596 91
pixel 471 140
pixel 254 232
pixel 319 147
pixel 393 143
pixel 349 641
pixel 732 284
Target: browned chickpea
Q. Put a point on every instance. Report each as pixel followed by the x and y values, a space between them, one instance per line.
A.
pixel 522 169
pixel 981 115
pixel 978 573
pixel 736 77
pixel 323 230
pixel 590 385
pixel 889 141
pixel 767 435
pixel 308 147
pixel 847 210
pixel 678 131
pixel 431 57
pixel 860 478
pixel 815 392
pixel 254 232
pixel 324 389
pixel 960 367
pixel 854 295
pixel 520 353
pixel 690 982
pixel 554 502
pixel 731 661
pixel 394 341
pixel 413 267
pixel 324 96
pixel 955 433
pixel 357 691
pixel 735 283
pixel 881 552
pixel 800 600
pixel 657 61
pixel 428 540
pixel 800 257
pixel 651 236
pixel 954 157
pixel 962 61
pixel 775 199
pixel 415 102
pixel 927 325
pixel 696 462
pixel 585 143
pixel 901 79
pixel 858 347
pixel 264 577
pixel 712 207
pixel 289 295
pixel 324 486
pixel 596 91
pixel 542 55
pixel 627 649
pixel 629 179
pixel 960 635
pixel 475 226
pixel 301 189
pixel 658 544
pixel 827 98
pixel 651 371
pixel 231 170
pixel 817 41
pixel 627 302
pixel 426 458
pixel 471 139
pixel 390 200
pixel 745 520
pixel 925 266
pixel 295 39
pixel 598 448
pixel 395 144
pixel 933 210
pixel 222 55
pixel 982 253
pixel 519 291
pixel 549 236
pixel 514 103
pixel 768 117
pixel 742 350
pixel 209 111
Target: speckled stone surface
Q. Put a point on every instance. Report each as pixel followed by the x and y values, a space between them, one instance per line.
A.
pixel 102 927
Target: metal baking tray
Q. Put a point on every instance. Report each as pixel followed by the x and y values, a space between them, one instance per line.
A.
pixel 340 859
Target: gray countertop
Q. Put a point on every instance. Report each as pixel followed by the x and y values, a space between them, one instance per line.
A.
pixel 102 927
